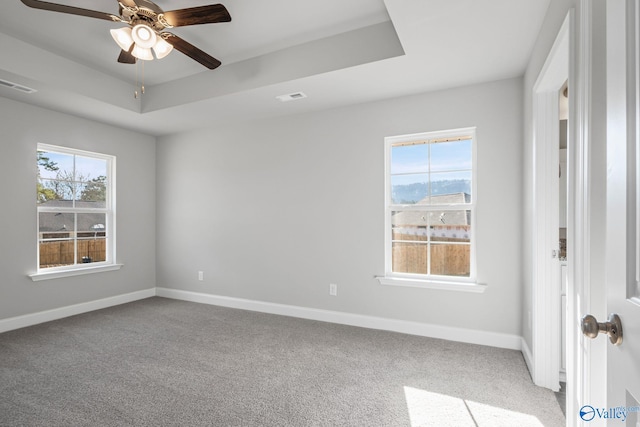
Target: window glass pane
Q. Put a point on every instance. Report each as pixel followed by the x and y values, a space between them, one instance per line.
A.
pixel 450 236
pixel 56 253
pixel 410 189
pixel 53 189
pixel 92 250
pixel 409 232
pixel 88 169
pixel 409 159
pixel 409 257
pixel 49 164
pixel 56 225
pixel 91 224
pixel 443 183
pixel 92 243
pixel 409 225
pixel 92 194
pixel 450 259
pixel 56 233
pixel 449 156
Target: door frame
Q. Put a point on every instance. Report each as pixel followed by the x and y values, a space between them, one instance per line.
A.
pixel 546 267
pixel 586 380
pixel 578 43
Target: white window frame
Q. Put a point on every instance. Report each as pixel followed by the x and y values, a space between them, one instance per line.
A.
pixel 468 284
pixel 110 217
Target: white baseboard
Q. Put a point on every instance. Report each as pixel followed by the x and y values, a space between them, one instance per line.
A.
pixel 71 310
pixel 472 336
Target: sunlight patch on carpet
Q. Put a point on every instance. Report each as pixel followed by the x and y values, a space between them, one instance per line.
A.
pixel 434 409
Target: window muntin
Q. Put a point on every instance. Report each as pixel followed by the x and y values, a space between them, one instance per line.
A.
pixel 430 205
pixel 75 208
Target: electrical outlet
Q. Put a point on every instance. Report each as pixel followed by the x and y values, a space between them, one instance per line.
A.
pixel 333 289
pixel 201 275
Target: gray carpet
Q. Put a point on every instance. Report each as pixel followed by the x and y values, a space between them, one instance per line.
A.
pixel 166 362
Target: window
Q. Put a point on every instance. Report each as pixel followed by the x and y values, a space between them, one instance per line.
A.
pixel 75 204
pixel 430 203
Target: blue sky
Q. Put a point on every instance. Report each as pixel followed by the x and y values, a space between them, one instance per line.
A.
pixel 447 160
pixel 86 167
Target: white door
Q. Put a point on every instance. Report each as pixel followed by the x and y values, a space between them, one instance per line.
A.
pixel 623 214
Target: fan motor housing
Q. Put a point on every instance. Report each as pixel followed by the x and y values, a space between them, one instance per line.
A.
pixel 142 15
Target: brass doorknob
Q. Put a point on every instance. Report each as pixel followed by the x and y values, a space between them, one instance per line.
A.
pixel 591 328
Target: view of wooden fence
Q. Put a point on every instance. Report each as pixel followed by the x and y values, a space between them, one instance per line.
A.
pixel 57 253
pixel 446 258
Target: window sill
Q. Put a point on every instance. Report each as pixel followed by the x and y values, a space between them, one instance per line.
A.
pixel 433 284
pixel 73 272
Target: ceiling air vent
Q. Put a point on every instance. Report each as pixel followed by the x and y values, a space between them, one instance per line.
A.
pixel 16 86
pixel 291 96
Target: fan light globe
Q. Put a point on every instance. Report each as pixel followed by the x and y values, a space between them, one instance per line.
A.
pixel 162 48
pixel 122 36
pixel 142 53
pixel 143 39
pixel 144 36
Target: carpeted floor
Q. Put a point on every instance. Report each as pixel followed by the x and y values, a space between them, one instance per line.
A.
pixel 173 363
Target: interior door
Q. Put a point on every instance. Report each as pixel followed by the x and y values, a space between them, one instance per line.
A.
pixel 623 212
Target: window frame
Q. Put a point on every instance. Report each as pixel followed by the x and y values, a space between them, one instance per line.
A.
pixel 432 281
pixel 79 268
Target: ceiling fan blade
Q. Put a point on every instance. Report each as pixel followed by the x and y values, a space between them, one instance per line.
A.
pixel 192 52
pixel 197 15
pixel 129 3
pixel 126 57
pixel 37 4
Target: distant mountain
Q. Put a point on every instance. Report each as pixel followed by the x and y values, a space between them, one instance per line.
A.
pixel 412 193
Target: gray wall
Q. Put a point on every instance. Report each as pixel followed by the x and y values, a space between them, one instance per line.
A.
pixel 276 210
pixel 556 14
pixel 23 126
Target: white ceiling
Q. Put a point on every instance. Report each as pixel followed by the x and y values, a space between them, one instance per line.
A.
pixel 337 52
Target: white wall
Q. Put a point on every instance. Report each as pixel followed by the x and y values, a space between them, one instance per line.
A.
pixel 276 210
pixel 23 126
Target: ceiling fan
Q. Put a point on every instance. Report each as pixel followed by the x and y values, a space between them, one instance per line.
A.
pixel 146 28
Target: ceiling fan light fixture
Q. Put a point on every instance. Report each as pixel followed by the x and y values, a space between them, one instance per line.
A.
pixel 142 53
pixel 122 36
pixel 149 22
pixel 144 36
pixel 162 48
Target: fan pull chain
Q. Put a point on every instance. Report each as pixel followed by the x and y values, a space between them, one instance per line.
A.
pixel 138 82
pixel 135 91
